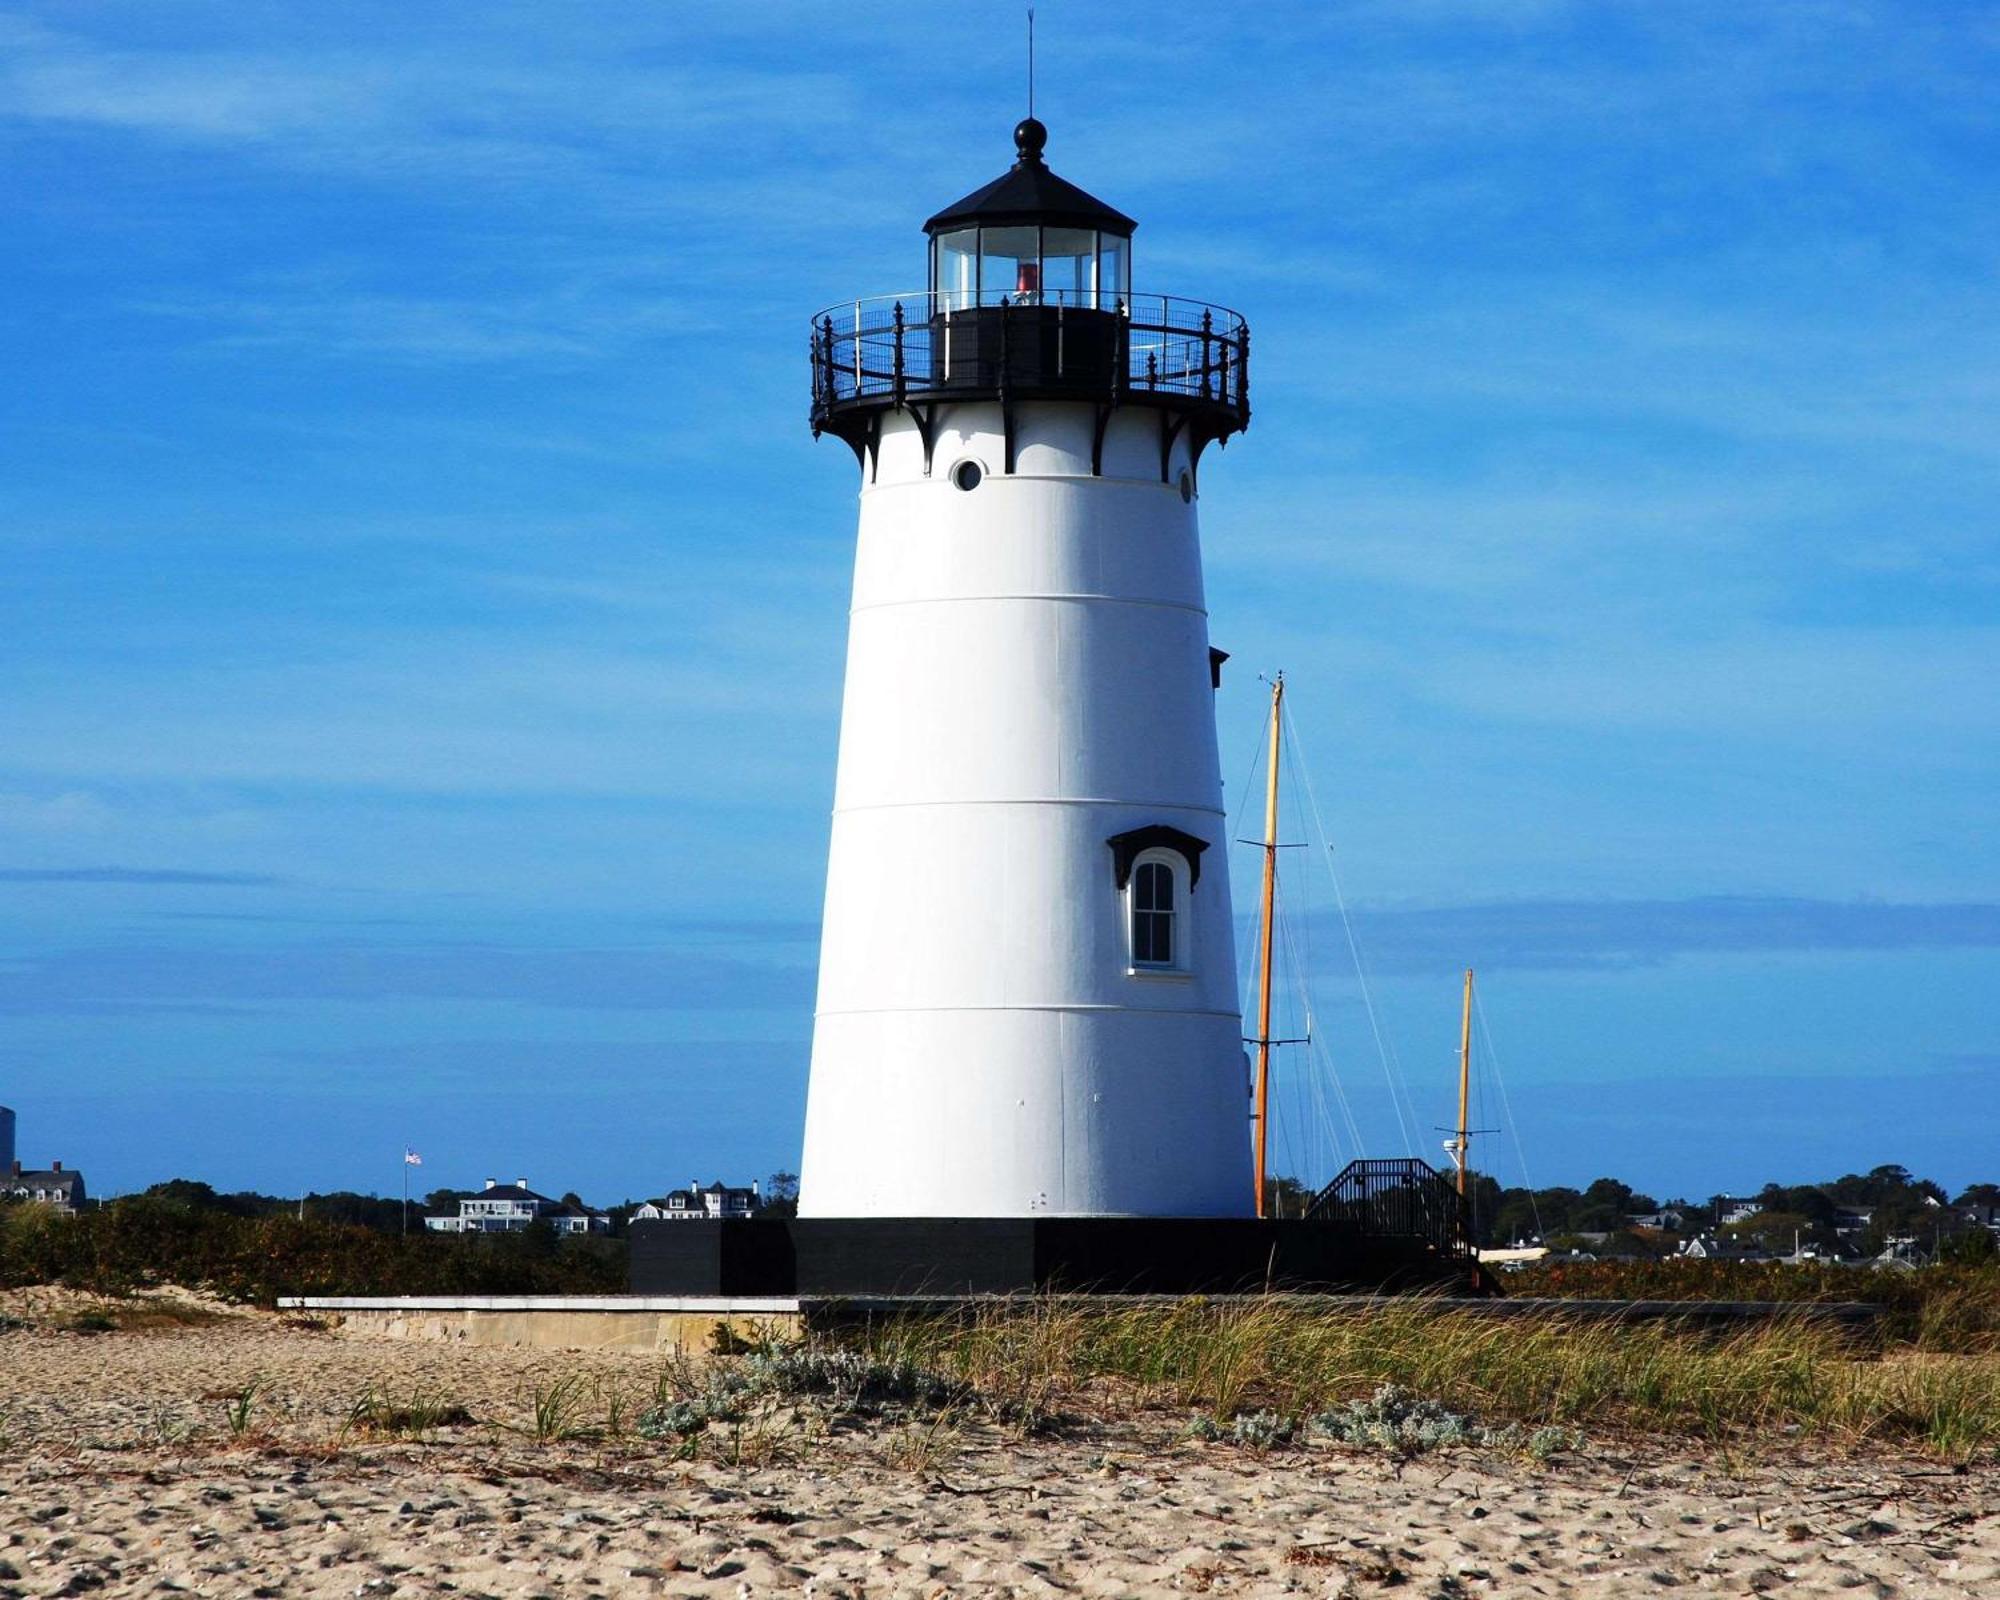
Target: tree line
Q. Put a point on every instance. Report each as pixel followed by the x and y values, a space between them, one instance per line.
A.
pixel 1610 1217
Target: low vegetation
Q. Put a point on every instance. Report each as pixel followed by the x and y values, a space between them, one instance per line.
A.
pixel 1949 1308
pixel 1414 1367
pixel 144 1241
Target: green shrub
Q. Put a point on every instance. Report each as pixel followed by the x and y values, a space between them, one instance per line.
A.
pixel 144 1240
pixel 1951 1307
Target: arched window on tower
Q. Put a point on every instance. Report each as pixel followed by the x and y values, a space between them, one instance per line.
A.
pixel 1157 868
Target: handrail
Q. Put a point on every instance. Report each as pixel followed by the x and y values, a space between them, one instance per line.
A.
pixel 918 303
pixel 883 349
pixel 1400 1197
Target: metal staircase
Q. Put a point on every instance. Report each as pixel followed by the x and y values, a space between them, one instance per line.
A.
pixel 1399 1198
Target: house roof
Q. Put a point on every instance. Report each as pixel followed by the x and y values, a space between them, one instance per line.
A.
pixel 697 1190
pixel 24 1179
pixel 510 1191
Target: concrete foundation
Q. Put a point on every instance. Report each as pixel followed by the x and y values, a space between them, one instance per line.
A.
pixel 697 1325
pixel 644 1323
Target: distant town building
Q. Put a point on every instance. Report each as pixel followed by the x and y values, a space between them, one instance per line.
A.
pixel 699 1201
pixel 1982 1215
pixel 511 1207
pixel 1665 1221
pixel 1852 1219
pixel 1709 1247
pixel 54 1187
pixel 1729 1209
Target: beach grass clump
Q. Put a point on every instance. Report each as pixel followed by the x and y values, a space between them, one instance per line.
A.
pixel 557 1409
pixel 1789 1376
pixel 418 1416
pixel 239 1408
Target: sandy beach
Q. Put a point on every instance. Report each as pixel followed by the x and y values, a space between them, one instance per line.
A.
pixel 131 1463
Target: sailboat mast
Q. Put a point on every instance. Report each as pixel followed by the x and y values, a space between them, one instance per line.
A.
pixel 1461 1148
pixel 1262 1113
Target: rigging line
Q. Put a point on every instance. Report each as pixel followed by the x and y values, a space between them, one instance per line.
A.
pixel 1391 1075
pixel 1283 1081
pixel 1319 1066
pixel 1301 1127
pixel 1507 1111
pixel 1299 971
pixel 1246 933
pixel 1398 1080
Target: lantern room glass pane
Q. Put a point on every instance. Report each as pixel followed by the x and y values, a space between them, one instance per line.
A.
pixel 955 269
pixel 1069 265
pixel 1010 264
pixel 1114 268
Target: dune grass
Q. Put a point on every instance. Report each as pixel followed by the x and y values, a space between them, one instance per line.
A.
pixel 1786 1379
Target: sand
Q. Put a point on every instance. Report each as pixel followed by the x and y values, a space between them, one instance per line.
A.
pixel 120 1473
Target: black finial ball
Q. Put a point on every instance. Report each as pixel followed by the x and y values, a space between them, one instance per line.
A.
pixel 1029 138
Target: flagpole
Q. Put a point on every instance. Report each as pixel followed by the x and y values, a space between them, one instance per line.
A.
pixel 406 1189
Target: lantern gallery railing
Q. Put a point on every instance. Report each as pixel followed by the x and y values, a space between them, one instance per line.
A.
pixel 1053 344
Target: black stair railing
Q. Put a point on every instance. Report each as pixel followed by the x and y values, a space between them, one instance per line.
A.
pixel 1398 1198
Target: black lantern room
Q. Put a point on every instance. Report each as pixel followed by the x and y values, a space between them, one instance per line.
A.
pixel 1030 237
pixel 1030 298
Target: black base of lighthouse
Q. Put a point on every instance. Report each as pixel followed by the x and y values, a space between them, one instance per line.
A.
pixel 944 1257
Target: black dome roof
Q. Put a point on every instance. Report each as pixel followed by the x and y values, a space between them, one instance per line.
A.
pixel 1028 192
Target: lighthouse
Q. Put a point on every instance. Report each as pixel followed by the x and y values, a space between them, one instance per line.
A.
pixel 1027 996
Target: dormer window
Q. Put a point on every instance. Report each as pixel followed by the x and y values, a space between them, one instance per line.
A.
pixel 1156 870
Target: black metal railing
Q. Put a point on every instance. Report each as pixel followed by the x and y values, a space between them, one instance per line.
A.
pixel 1400 1198
pixel 1061 344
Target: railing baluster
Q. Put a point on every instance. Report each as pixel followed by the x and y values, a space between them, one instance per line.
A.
pixel 899 353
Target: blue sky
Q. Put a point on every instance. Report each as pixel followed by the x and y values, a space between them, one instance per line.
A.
pixel 423 616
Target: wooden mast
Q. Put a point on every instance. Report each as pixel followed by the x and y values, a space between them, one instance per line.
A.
pixel 1462 1144
pixel 1261 1116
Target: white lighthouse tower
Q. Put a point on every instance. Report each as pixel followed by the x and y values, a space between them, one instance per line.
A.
pixel 1027 991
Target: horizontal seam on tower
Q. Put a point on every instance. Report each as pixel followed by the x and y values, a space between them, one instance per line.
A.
pixel 1096 599
pixel 1142 1011
pixel 1035 800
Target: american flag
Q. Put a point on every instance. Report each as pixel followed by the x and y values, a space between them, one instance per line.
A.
pixel 412 1159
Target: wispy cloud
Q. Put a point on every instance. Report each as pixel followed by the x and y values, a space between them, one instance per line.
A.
pixel 138 875
pixel 1613 934
pixel 602 979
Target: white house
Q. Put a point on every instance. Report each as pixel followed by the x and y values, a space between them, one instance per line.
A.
pixel 510 1207
pixel 54 1187
pixel 698 1201
pixel 1730 1209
